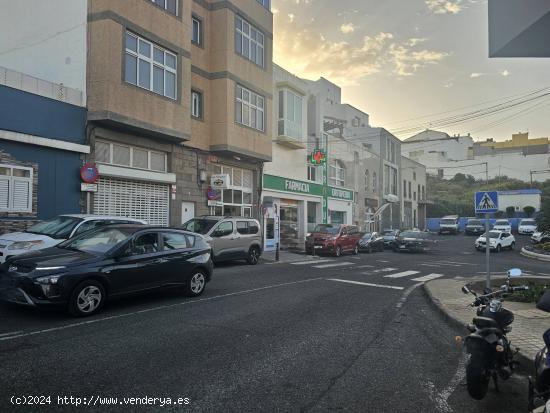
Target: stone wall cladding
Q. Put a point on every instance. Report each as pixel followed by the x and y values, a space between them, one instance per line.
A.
pixel 16 221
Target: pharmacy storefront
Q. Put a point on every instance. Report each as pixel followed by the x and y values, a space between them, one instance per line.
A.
pixel 297 206
pixel 340 206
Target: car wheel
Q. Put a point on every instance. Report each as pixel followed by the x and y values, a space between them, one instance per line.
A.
pixel 87 298
pixel 513 245
pixel 195 284
pixel 499 248
pixel 253 256
pixel 338 251
pixel 356 249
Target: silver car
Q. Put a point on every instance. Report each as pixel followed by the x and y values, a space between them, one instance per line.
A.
pixel 231 238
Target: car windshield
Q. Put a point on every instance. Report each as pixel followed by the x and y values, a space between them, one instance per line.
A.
pixel 98 241
pixel 60 227
pixel 367 236
pixel 199 225
pixel 389 233
pixel 448 221
pixel 474 222
pixel 492 234
pixel 327 229
pixel 528 222
pixel 411 234
pixel 502 222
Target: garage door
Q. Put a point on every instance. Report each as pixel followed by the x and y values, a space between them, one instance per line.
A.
pixel 141 200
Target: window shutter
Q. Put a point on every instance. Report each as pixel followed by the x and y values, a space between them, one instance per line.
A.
pixel 4 193
pixel 21 195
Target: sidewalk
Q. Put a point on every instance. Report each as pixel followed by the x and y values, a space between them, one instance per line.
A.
pixel 527 329
pixel 287 257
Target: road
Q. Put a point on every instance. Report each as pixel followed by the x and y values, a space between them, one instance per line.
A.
pixel 350 333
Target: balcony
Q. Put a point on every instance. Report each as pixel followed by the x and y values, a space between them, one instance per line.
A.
pixel 289 134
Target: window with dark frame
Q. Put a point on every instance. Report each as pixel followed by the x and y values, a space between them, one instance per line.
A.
pixel 171 6
pixel 196 37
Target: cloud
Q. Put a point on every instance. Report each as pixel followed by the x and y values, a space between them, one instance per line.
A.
pixel 347 28
pixel 505 72
pixel 444 6
pixel 309 54
pixel 291 17
pixel 476 74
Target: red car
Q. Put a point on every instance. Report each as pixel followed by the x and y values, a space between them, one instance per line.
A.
pixel 333 239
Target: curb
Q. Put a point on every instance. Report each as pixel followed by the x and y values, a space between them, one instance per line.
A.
pixel 526 364
pixel 534 255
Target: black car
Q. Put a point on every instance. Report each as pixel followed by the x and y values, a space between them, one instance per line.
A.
pixel 371 241
pixel 414 241
pixel 83 272
pixel 389 237
pixel 474 227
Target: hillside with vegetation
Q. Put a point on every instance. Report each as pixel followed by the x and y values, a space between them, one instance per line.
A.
pixel 456 196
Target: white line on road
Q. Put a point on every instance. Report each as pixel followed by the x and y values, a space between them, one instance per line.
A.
pixel 10 334
pixel 401 274
pixel 365 266
pixel 379 271
pixel 455 262
pixel 440 398
pixel 428 277
pixel 309 262
pixel 382 261
pixel 391 287
pixel 406 294
pixel 338 264
pixel 431 265
pixel 149 310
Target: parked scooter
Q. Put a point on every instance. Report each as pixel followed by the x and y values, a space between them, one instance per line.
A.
pixel 491 354
pixel 539 386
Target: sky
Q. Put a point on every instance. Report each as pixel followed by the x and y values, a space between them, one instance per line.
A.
pixel 399 60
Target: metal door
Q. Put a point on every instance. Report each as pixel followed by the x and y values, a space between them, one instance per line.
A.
pixel 187 211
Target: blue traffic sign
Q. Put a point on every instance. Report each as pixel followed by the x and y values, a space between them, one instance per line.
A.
pixel 486 201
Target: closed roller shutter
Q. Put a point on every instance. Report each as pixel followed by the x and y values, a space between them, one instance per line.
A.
pixel 140 200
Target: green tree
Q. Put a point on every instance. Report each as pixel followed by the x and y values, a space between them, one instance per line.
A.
pixel 543 220
pixel 510 211
pixel 529 211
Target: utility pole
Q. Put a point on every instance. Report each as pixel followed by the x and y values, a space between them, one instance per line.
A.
pixel 487 173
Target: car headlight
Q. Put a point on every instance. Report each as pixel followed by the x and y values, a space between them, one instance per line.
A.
pixel 48 280
pixel 25 245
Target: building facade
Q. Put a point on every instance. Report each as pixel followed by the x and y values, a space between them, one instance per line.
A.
pixel 413 199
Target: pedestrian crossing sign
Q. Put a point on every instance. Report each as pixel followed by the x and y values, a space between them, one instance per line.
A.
pixel 486 201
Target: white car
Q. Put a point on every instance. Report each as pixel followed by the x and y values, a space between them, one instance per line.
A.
pixel 502 225
pixel 540 237
pixel 49 233
pixel 527 227
pixel 499 240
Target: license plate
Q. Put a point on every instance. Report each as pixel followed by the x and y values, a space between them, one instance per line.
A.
pixel 318 247
pixel 402 247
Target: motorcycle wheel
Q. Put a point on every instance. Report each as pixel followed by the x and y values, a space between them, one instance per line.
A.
pixel 477 379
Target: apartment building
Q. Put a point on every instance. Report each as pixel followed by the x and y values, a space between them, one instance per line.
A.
pixel 414 198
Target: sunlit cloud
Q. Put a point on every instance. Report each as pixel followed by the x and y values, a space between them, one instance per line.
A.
pixel 347 28
pixel 476 74
pixel 445 6
pixel 505 72
pixel 291 17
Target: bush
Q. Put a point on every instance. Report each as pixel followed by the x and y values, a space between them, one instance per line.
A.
pixel 533 295
pixel 545 247
pixel 529 211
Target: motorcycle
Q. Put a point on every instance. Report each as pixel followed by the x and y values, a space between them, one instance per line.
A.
pixel 491 354
pixel 539 386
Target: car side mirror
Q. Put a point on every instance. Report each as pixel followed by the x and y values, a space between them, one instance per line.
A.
pixel 515 273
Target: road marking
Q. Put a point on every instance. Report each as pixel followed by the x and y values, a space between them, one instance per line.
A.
pixel 401 274
pixel 158 308
pixel 382 261
pixel 391 287
pixel 431 265
pixel 309 262
pixel 440 398
pixel 337 264
pixel 406 294
pixel 379 271
pixel 455 262
pixel 428 277
pixel 10 334
pixel 365 266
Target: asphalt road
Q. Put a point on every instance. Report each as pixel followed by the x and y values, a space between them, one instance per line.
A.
pixel 348 333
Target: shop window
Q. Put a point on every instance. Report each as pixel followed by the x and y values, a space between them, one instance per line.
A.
pixel 125 155
pixel 15 189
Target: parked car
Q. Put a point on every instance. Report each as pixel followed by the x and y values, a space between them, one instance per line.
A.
pixel 499 240
pixel 540 237
pixel 371 242
pixel 389 237
pixel 414 241
pixel 83 272
pixel 231 238
pixel 333 239
pixel 51 232
pixel 474 227
pixel 502 225
pixel 449 225
pixel 527 226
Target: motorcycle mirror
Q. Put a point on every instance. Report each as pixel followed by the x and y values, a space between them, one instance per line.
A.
pixel 515 273
pixel 465 290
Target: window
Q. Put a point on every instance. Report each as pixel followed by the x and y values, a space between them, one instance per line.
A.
pixel 173 241
pixel 196 104
pixel 290 114
pixel 414 176
pixel 196 36
pixel 150 67
pixel 88 225
pixel 170 6
pixel 224 229
pixel 15 188
pixel 367 180
pixel 139 158
pixel 249 41
pixel 145 244
pixel 410 190
pixel 249 108
pixel 374 182
pixel 337 173
pixel 264 3
pixel 253 228
pixel 404 189
pixel 313 173
pixel 242 227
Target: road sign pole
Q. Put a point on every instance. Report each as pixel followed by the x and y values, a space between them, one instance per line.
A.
pixel 487 251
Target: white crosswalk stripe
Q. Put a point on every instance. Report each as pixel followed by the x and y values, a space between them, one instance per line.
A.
pixel 391 287
pixel 428 277
pixel 310 262
pixel 401 274
pixel 337 264
pixel 379 271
